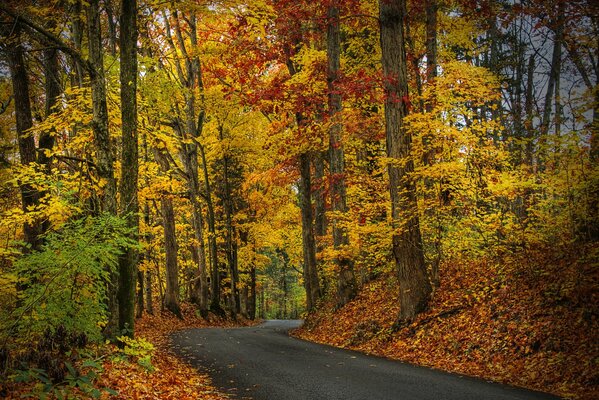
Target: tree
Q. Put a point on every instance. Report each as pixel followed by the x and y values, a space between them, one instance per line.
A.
pixel 171 298
pixel 24 121
pixel 346 284
pixel 407 242
pixel 129 162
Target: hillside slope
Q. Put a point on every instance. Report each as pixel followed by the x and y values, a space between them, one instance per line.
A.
pixel 508 322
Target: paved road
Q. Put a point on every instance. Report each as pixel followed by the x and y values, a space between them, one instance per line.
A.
pixel 264 363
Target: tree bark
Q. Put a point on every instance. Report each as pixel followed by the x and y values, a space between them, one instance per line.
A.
pixel 129 162
pixel 104 150
pixel 52 90
pixel 171 295
pixel 346 281
pixel 20 85
pixel 407 242
pixel 309 246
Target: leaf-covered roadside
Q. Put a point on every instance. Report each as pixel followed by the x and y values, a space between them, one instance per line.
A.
pixel 165 377
pixel 505 321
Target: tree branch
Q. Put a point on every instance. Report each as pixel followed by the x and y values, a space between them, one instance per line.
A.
pixel 62 46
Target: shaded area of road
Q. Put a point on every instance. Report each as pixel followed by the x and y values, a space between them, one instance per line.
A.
pixel 264 363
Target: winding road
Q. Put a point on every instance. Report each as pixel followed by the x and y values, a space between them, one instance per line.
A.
pixel 264 363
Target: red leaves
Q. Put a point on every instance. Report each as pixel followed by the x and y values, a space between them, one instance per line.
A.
pixel 505 322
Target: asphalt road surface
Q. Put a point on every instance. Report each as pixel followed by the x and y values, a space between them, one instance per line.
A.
pixel 264 363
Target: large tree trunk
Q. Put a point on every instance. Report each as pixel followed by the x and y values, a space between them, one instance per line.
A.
pixel 29 195
pixel 346 281
pixel 407 242
pixel 171 296
pixel 104 150
pixel 129 162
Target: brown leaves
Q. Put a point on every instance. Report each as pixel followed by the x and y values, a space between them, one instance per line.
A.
pixel 503 321
pixel 172 379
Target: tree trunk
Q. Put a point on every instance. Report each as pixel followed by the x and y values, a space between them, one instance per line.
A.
pixel 252 299
pixel 20 85
pixel 52 91
pixel 431 40
pixel 139 310
pixel 528 110
pixel 554 73
pixel 171 296
pixel 129 163
pixel 309 246
pixel 148 288
pixel 104 151
pixel 346 281
pixel 230 236
pixel 407 242
pixel 215 306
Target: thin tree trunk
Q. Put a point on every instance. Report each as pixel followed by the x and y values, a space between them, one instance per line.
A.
pixel 230 236
pixel 346 281
pixel 319 193
pixel 112 39
pixel 407 242
pixel 554 73
pixel 171 296
pixel 528 109
pixel 148 288
pixel 215 306
pixel 320 220
pixel 252 299
pixel 309 246
pixel 129 163
pixel 77 31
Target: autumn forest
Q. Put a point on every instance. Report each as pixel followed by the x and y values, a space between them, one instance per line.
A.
pixel 416 179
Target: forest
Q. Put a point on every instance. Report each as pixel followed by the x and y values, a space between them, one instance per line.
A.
pixel 416 179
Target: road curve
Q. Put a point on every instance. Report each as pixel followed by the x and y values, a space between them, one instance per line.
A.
pixel 264 363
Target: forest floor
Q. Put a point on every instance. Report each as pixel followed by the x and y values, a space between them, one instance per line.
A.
pixel 508 321
pixel 166 377
pixel 172 378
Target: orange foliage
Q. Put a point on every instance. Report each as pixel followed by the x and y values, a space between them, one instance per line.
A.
pixel 172 378
pixel 508 322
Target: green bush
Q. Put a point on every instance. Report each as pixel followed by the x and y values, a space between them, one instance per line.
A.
pixel 65 283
